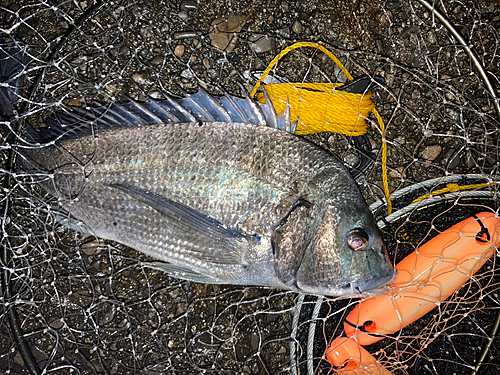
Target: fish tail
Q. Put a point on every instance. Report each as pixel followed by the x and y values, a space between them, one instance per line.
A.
pixel 13 62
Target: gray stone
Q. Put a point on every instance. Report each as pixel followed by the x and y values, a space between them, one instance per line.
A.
pixel 262 43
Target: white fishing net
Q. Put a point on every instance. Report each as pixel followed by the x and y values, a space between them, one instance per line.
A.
pixel 77 304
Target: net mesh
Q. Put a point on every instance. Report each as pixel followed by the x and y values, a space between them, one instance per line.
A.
pixel 77 304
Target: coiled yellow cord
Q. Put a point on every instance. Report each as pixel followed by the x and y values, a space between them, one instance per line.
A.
pixel 320 107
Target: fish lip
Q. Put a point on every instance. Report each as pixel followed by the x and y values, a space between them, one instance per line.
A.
pixel 350 290
pixel 372 284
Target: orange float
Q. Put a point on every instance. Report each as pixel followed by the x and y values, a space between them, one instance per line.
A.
pixel 426 278
pixel 352 359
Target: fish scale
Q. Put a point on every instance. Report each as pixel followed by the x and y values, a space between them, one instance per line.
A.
pixel 262 180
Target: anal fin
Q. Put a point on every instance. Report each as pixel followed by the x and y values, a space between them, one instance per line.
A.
pixel 182 272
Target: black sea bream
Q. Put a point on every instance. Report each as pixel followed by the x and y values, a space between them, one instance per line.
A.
pixel 216 188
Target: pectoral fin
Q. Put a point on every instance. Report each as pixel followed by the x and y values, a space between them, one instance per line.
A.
pixel 203 237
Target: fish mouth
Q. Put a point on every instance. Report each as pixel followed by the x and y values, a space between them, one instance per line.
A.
pixel 353 289
pixel 372 284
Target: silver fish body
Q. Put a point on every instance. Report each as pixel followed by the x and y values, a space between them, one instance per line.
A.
pixel 253 205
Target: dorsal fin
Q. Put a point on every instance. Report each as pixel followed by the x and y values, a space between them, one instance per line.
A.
pixel 269 111
pixel 198 107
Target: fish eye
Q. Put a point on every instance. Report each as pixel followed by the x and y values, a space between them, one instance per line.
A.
pixel 357 239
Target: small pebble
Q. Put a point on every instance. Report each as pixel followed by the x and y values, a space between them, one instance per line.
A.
pixel 399 141
pixel 19 360
pixel 206 63
pixel 284 32
pixel 428 133
pixel 224 33
pixel 183 15
pixel 470 162
pixel 431 152
pixel 157 60
pixel 111 89
pixel 297 27
pixel 179 50
pixel 398 172
pixel 187 73
pixel 187 5
pixel 179 35
pixel 351 159
pixel 56 323
pixel 76 102
pixel 139 78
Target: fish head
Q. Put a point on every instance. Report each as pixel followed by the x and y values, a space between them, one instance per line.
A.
pixel 342 251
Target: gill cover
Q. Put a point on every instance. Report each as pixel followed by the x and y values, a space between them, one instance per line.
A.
pixel 289 238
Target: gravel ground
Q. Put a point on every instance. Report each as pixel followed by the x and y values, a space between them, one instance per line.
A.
pixel 91 307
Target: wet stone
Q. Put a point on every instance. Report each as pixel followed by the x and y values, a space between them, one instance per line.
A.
pixel 261 43
pixel 223 33
pixel 398 172
pixel 399 141
pixel 18 359
pixel 56 323
pixel 187 73
pixel 469 161
pixel 188 5
pixel 206 63
pixel 451 159
pixel 145 54
pixel 124 51
pixel 157 60
pixel 284 32
pixel 147 32
pixel 351 159
pixel 179 35
pixel 390 134
pixel 141 79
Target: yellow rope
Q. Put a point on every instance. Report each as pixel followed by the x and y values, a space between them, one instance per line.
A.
pixel 321 107
pixel 450 188
pixel 384 162
pixel 291 48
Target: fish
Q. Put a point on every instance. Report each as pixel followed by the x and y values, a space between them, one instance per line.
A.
pixel 217 189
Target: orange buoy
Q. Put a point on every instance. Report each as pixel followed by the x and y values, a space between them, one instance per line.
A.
pixel 352 359
pixel 426 278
